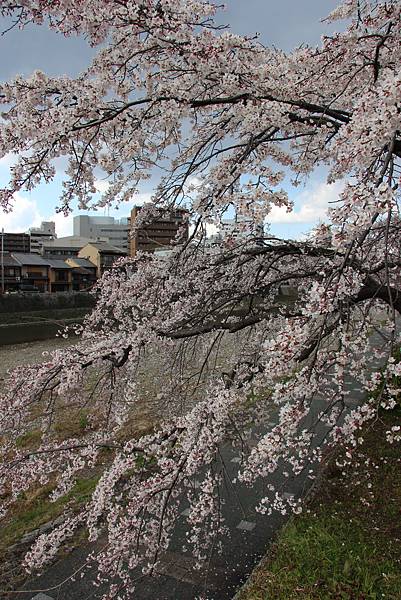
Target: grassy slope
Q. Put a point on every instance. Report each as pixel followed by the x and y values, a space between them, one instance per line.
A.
pixel 347 544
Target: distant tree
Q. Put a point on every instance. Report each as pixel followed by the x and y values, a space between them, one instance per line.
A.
pixel 225 119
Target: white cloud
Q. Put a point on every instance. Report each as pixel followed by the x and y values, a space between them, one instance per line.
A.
pixel 191 185
pixel 101 185
pixel 25 214
pixel 7 161
pixel 311 205
pixel 64 225
pixel 211 229
pixel 142 198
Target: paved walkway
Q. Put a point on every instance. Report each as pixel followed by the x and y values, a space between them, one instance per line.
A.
pixel 250 536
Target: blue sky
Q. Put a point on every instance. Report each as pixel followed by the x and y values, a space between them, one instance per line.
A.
pixel 284 24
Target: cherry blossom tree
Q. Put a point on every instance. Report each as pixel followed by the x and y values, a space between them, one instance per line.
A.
pixel 224 119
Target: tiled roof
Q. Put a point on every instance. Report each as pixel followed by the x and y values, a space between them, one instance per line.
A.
pixel 57 263
pixel 83 262
pixel 69 241
pixel 106 248
pixel 30 259
pixel 9 260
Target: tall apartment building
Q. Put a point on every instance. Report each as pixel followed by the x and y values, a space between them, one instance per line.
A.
pixel 115 231
pixel 231 233
pixel 40 235
pixel 159 233
pixel 240 228
pixel 15 242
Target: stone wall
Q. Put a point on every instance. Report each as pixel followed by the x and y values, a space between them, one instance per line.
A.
pixel 10 303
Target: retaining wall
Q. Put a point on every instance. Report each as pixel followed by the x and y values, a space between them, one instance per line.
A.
pixel 29 302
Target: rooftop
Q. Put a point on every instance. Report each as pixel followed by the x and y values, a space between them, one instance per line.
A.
pixel 83 262
pixel 30 259
pixel 70 241
pixel 9 260
pixel 57 263
pixel 105 247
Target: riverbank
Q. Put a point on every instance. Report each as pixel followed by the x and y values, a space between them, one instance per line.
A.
pixel 347 543
pixel 29 353
pixel 32 317
pixel 250 533
pixel 17 328
pixel 20 303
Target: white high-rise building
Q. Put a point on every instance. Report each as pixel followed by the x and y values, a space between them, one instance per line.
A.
pixel 114 230
pixel 233 232
pixel 39 235
pixel 240 228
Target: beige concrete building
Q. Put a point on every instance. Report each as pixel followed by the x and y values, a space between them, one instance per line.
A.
pixel 114 231
pixel 40 235
pixel 101 254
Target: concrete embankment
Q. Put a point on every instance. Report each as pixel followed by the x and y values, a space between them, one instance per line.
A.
pixel 11 303
pixel 27 318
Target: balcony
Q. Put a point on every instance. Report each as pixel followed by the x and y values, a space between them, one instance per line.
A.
pixel 36 276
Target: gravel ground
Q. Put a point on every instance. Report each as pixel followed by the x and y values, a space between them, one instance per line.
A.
pixel 27 353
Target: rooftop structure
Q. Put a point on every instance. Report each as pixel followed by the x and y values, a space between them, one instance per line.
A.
pixel 39 235
pixel 83 263
pixel 7 259
pixel 10 272
pixel 34 271
pixel 83 273
pixel 65 246
pixel 30 259
pixel 57 263
pixel 115 231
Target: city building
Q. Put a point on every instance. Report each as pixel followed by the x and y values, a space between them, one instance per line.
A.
pixel 231 233
pixel 114 231
pixel 83 273
pixel 15 242
pixel 60 275
pixel 65 247
pixel 240 228
pixel 34 272
pixel 101 254
pixel 159 233
pixel 39 235
pixel 30 272
pixel 213 244
pixel 10 273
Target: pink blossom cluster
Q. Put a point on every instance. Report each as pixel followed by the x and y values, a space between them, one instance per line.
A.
pixel 208 339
